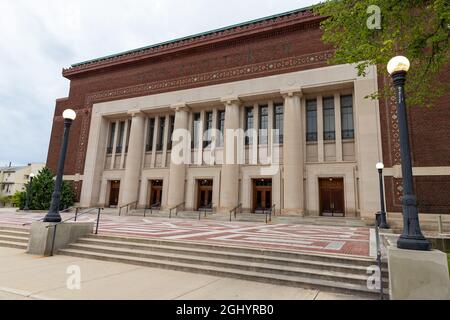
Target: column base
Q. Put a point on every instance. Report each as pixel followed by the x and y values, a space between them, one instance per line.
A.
pixel 296 212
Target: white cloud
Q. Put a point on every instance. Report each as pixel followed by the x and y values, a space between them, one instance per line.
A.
pixel 39 38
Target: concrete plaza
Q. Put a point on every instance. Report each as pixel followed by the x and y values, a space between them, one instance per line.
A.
pixel 26 277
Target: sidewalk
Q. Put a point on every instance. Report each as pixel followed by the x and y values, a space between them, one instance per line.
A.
pixel 24 276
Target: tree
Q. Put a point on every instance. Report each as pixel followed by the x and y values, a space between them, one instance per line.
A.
pixel 417 29
pixel 42 190
pixel 18 199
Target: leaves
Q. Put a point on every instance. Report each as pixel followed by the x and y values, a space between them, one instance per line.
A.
pixel 42 190
pixel 417 29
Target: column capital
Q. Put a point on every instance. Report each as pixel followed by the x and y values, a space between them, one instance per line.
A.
pixel 230 100
pixel 180 107
pixel 135 113
pixel 290 92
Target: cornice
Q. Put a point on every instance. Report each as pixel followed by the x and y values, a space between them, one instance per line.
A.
pixel 308 18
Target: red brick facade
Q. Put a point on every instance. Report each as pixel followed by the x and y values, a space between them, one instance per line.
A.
pixel 279 45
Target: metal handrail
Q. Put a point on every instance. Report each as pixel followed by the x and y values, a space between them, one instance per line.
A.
pixel 151 208
pixel 74 217
pixel 42 219
pixel 127 206
pixel 176 209
pixel 269 213
pixel 205 210
pixel 234 210
pixel 377 238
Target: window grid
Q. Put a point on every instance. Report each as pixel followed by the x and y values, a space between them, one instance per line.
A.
pixel 208 128
pixel 171 129
pixel 263 124
pixel 221 127
pixel 279 123
pixel 150 134
pixel 348 130
pixel 311 120
pixel 249 123
pixel 162 124
pixel 196 130
pixel 121 133
pixel 112 132
pixel 329 132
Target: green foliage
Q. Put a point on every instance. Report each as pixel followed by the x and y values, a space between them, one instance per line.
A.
pixel 18 199
pixel 4 200
pixel 416 29
pixel 42 190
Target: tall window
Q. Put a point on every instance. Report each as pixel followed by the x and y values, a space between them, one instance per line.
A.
pixel 263 124
pixel 162 124
pixel 311 120
pixel 150 134
pixel 112 132
pixel 171 129
pixel 128 136
pixel 278 125
pixel 121 133
pixel 220 127
pixel 208 128
pixel 249 125
pixel 348 130
pixel 196 129
pixel 329 132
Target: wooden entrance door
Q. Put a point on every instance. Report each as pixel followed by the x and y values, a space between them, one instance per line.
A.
pixel 156 187
pixel 262 195
pixel 205 195
pixel 332 197
pixel 114 193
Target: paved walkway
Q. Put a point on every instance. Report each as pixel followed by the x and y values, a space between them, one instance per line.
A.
pixel 29 277
pixel 320 239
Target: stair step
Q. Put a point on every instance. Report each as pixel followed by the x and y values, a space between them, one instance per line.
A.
pixel 12 244
pixel 13 238
pixel 252 257
pixel 355 260
pixel 227 263
pixel 10 228
pixel 24 233
pixel 304 282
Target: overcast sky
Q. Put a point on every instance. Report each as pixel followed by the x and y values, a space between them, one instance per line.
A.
pixel 39 38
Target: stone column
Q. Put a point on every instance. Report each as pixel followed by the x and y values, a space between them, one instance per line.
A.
pixel 229 190
pixel 130 186
pixel 180 154
pixel 293 152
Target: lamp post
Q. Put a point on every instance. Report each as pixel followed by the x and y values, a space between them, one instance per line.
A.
pixel 53 214
pixel 383 222
pixel 412 237
pixel 29 190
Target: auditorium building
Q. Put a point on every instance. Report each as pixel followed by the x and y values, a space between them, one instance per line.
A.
pixel 270 79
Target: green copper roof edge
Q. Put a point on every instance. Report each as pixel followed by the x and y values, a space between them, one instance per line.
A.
pixel 192 36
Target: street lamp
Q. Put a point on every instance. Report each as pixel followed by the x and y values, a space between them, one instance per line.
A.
pixel 383 222
pixel 412 237
pixel 53 214
pixel 29 190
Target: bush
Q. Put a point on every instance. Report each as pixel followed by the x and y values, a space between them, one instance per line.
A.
pixel 42 191
pixel 5 200
pixel 18 199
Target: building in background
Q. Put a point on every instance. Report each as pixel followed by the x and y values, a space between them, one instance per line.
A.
pixel 14 178
pixel 270 73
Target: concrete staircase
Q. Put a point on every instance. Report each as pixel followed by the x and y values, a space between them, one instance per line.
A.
pixel 14 237
pixel 326 272
pixel 252 217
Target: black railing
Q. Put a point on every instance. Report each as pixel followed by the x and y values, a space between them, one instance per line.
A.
pixel 311 136
pixel 348 134
pixel 329 135
pixel 379 262
pixel 131 205
pixel 269 213
pixel 205 210
pixel 54 226
pixel 176 209
pixel 234 211
pixel 156 206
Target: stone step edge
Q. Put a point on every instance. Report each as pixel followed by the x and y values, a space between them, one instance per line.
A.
pixel 236 255
pixel 235 264
pixel 13 238
pixel 288 280
pixel 13 228
pixel 350 258
pixel 11 244
pixel 14 233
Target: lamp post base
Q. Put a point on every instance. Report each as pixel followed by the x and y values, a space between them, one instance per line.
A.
pixel 52 217
pixel 413 243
